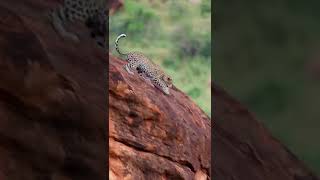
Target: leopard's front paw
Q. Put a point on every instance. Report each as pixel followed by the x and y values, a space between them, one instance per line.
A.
pixel 166 91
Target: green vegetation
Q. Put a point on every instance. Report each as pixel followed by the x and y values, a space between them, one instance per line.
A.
pixel 261 53
pixel 174 34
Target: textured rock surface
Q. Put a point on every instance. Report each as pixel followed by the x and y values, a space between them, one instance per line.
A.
pixel 245 150
pixel 154 136
pixel 52 98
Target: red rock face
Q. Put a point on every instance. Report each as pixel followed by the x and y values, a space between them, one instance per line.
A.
pixel 152 135
pixel 114 5
pixel 52 99
pixel 244 149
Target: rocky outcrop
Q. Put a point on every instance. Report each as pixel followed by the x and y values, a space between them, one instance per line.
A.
pixel 244 149
pixel 52 98
pixel 114 6
pixel 153 135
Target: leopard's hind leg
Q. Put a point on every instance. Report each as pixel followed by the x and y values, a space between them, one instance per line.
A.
pixel 132 65
pixel 127 67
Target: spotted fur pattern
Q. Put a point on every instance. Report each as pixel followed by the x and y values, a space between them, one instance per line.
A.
pixel 145 68
pixel 92 13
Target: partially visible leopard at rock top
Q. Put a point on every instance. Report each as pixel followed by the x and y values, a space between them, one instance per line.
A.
pixel 92 13
pixel 145 68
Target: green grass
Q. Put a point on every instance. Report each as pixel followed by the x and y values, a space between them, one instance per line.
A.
pixel 174 34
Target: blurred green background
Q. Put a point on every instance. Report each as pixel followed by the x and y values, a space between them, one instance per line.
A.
pixel 266 55
pixel 176 34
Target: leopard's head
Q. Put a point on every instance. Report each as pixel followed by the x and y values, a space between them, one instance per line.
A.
pixel 168 80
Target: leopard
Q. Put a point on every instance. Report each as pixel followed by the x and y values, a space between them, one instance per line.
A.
pixel 145 68
pixel 92 13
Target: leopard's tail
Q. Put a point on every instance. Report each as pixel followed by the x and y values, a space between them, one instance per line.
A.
pixel 117 45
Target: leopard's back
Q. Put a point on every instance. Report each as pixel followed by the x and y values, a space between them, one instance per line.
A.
pixel 81 9
pixel 144 64
pixel 92 13
pixel 136 59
